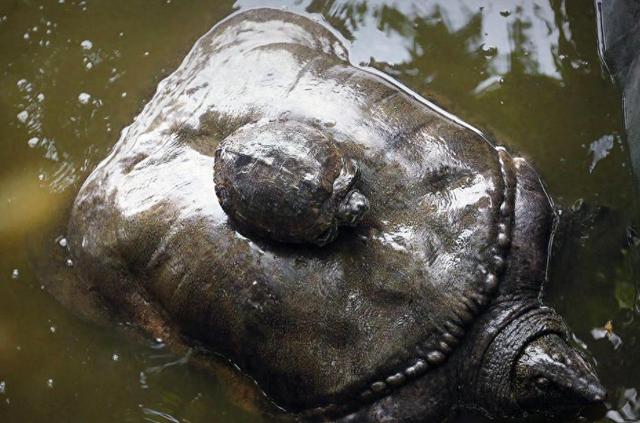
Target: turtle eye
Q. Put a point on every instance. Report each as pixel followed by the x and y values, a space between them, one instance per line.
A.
pixel 542 382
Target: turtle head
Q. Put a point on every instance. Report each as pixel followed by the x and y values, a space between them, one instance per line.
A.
pixel 352 208
pixel 352 204
pixel 530 367
pixel 551 375
pixel 350 211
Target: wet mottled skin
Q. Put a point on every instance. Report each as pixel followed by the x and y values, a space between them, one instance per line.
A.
pixel 431 302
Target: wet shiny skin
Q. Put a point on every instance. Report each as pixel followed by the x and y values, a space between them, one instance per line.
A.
pixel 328 329
pixel 427 177
pixel 550 111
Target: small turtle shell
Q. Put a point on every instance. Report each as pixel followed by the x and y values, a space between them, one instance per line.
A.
pixel 284 181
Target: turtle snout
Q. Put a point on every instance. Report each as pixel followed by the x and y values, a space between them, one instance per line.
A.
pixel 353 208
pixel 553 376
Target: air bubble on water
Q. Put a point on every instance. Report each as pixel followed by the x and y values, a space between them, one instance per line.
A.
pixel 489 50
pixel 23 116
pixel 84 98
pixel 86 44
pixel 143 381
pixel 579 63
pixel 15 274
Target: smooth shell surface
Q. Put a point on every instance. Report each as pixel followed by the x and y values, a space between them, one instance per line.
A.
pixel 283 180
pixel 380 306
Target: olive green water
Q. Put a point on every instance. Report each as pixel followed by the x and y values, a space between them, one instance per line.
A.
pixel 74 73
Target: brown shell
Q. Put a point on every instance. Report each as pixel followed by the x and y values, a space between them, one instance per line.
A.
pixel 282 180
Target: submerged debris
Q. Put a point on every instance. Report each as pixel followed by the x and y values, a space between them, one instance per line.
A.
pixel 628 408
pixel 607 332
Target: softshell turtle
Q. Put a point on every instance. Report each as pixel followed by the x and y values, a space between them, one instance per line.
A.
pixel 287 181
pixel 431 303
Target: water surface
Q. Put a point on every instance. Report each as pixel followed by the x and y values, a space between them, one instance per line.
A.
pixel 74 73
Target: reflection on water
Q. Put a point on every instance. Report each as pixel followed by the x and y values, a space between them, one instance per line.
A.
pixel 75 72
pixel 505 29
pixel 629 407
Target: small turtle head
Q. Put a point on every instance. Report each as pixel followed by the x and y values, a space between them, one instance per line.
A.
pixel 350 211
pixel 352 208
pixel 551 375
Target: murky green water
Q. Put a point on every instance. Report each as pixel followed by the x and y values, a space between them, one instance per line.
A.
pixel 74 73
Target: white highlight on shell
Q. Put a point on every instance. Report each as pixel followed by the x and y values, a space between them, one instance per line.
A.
pixel 399 239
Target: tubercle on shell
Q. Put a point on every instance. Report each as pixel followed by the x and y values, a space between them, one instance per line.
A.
pixel 438 350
